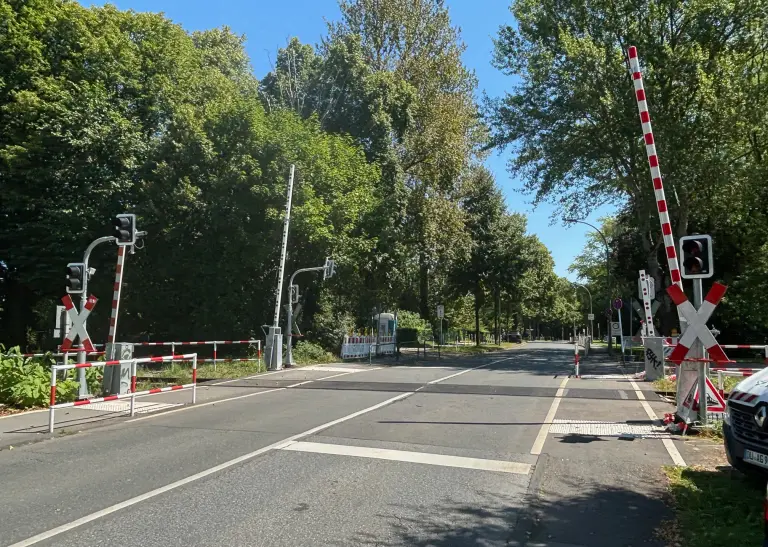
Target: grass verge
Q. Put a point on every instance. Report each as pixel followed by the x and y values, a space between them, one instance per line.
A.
pixel 715 507
pixel 664 384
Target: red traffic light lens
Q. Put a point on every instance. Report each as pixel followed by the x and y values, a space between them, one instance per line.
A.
pixel 693 247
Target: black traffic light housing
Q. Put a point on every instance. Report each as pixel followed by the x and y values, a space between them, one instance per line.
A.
pixel 75 277
pixel 125 229
pixel 696 257
pixel 329 268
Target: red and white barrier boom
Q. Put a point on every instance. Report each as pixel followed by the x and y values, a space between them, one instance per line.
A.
pixel 132 394
pixel 653 161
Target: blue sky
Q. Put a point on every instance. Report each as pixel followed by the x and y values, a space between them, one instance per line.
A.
pixel 267 24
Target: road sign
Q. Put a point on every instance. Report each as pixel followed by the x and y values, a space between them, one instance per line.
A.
pixel 615 327
pixel 440 311
pixel 618 304
pixel 78 323
pixel 690 406
pixel 697 323
pixel 590 317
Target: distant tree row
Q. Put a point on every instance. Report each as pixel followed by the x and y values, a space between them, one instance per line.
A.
pixel 105 111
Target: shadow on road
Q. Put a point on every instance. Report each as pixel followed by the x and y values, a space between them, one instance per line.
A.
pixel 598 516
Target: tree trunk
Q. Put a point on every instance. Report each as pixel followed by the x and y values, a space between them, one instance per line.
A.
pixel 477 317
pixel 423 286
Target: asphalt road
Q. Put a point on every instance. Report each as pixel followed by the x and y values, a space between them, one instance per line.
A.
pixel 459 452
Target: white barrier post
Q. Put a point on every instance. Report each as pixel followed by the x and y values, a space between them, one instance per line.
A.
pixel 194 379
pixel 134 366
pixel 720 383
pixel 214 356
pixel 51 409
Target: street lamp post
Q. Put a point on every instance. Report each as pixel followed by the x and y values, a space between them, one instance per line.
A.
pixel 607 275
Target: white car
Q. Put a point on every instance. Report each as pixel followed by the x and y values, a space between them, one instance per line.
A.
pixel 745 430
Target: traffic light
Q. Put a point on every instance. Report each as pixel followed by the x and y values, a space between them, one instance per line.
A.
pixel 125 229
pixel 696 257
pixel 294 294
pixel 330 268
pixel 75 277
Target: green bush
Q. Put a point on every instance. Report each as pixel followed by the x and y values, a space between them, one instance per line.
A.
pixel 329 325
pixel 407 336
pixel 26 383
pixel 307 353
pixel 411 320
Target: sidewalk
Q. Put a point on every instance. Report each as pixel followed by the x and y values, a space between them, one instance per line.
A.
pixel 599 479
pixel 32 426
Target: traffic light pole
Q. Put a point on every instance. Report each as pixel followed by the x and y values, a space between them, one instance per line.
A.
pixel 81 356
pixel 698 352
pixel 289 331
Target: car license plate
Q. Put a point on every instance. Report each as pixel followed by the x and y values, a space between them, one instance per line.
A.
pixel 756 458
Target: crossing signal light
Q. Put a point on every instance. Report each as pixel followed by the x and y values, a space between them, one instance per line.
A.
pixel 125 229
pixel 294 294
pixel 696 256
pixel 75 277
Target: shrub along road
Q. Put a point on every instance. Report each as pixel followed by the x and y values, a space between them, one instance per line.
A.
pixel 477 450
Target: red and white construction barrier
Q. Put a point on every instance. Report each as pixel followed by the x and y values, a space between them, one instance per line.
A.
pixel 132 394
pixel 357 346
pixel 55 354
pixel 721 373
pixel 214 343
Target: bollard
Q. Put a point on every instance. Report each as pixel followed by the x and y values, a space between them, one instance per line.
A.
pixel 133 387
pixel 194 379
pixel 214 356
pixel 51 410
pixel 720 383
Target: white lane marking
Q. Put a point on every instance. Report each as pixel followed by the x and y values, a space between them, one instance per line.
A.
pixel 200 405
pixel 411 457
pixel 466 370
pixel 672 450
pixel 420 367
pixel 623 394
pixel 250 377
pixel 335 369
pixel 202 474
pixel 538 444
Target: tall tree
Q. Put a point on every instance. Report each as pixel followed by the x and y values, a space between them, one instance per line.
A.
pixel 573 119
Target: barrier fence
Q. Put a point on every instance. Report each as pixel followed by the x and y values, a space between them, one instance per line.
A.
pixel 214 343
pixel 357 347
pixel 132 394
pixel 723 372
pixel 763 347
